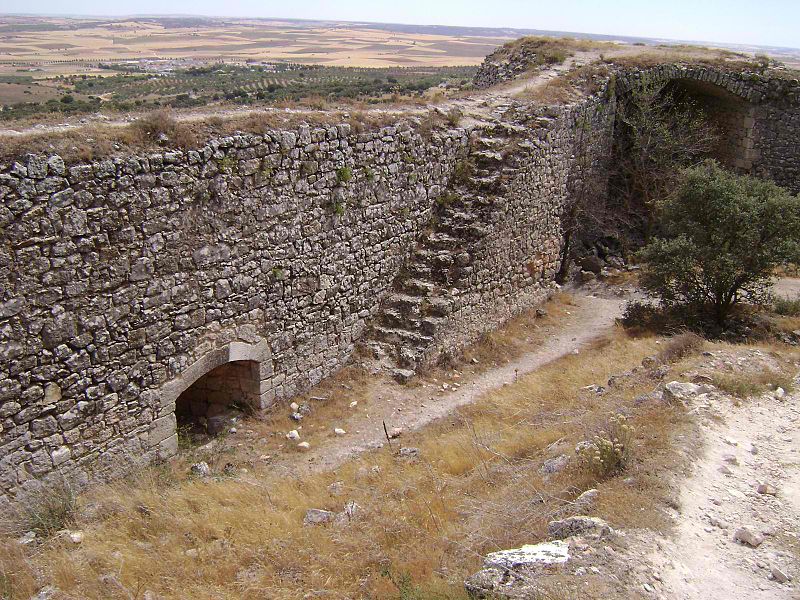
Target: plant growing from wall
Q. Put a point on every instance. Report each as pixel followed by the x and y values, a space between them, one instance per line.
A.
pixel 226 164
pixel 343 175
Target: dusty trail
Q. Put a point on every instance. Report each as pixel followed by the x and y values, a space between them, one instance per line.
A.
pixel 411 408
pixel 755 443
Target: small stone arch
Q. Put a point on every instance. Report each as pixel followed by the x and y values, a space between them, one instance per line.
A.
pixel 237 373
pixel 727 100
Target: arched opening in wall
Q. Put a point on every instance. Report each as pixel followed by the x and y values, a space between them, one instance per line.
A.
pixel 218 399
pixel 731 116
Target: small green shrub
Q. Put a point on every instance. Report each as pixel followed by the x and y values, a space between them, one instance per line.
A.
pixel 344 174
pixel 453 117
pixel 462 171
pixel 226 164
pixel 447 198
pixel 722 237
pixel 338 208
pixel 610 450
pixel 278 273
pixel 369 174
pixel 408 590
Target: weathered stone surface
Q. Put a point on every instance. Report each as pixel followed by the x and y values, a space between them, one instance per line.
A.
pixel 580 525
pixel 317 516
pixel 129 278
pixel 744 535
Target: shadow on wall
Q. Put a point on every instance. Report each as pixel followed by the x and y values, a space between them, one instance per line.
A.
pixel 731 115
pixel 211 403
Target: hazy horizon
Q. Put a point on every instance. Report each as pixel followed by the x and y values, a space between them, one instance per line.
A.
pixel 768 23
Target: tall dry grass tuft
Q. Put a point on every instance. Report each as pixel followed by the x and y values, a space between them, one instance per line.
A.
pixel 160 128
pixel 679 347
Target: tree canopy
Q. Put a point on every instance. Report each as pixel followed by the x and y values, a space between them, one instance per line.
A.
pixel 721 237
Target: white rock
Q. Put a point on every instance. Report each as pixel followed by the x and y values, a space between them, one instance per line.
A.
pixel 339 431
pixel 304 446
pixel 293 435
pixel 354 403
pixel 26 539
pixel 547 553
pixel 294 406
pixel 680 391
pixel 317 516
pixel 76 537
pixel 587 498
pixel 555 465
pixel 46 593
pixel 201 469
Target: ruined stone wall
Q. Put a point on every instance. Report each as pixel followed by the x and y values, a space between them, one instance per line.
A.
pixel 764 119
pixel 513 267
pixel 125 280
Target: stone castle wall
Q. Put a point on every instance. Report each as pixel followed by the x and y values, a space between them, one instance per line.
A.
pixel 127 280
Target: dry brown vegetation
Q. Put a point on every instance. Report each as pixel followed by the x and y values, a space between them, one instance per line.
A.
pixel 749 383
pixel 93 142
pixel 476 488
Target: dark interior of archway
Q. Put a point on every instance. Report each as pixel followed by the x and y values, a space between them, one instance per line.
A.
pixel 730 115
pixel 213 403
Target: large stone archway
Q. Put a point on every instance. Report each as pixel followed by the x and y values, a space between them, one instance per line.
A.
pixel 732 116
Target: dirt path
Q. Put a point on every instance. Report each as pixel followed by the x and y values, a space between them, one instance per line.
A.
pixel 755 443
pixel 411 408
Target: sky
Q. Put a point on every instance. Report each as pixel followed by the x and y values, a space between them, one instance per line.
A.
pixel 763 22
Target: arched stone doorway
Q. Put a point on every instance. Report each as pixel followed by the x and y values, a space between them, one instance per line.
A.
pixel 213 402
pixel 229 380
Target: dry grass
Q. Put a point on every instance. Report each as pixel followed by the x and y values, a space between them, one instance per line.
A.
pixel 160 128
pixel 476 488
pixel 93 142
pixel 555 50
pixel 746 384
pixel 707 56
pixel 680 346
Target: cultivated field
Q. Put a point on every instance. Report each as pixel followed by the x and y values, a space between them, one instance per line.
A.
pixel 59 45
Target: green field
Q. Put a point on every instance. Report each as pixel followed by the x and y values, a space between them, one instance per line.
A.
pixel 130 89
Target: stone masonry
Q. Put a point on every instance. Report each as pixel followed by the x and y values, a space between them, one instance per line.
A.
pixel 131 282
